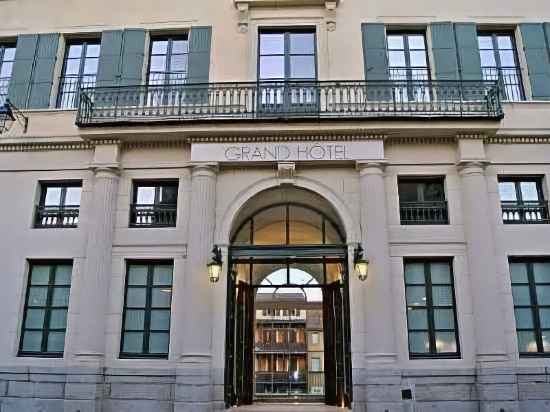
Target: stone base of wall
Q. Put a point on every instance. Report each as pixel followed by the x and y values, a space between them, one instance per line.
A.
pixel 81 389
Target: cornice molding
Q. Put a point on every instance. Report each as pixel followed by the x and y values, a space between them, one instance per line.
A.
pixel 397 140
pixel 518 140
pixel 287 138
pixel 44 147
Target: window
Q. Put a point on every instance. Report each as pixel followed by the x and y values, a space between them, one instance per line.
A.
pixel 79 70
pixel 408 64
pixel 146 317
pixel 46 305
pixel 59 205
pixel 168 61
pixel 315 364
pixel 155 204
pixel 522 200
pixel 7 58
pixel 315 338
pixel 287 56
pixel 431 312
pixel 531 294
pixel 499 62
pixel 422 201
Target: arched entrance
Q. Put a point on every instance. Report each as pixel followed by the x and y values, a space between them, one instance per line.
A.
pixel 288 328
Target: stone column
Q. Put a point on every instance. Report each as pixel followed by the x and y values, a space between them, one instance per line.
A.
pixel 193 385
pixel 485 291
pixel 380 339
pixel 96 277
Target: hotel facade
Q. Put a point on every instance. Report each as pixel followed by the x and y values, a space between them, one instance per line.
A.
pixel 219 203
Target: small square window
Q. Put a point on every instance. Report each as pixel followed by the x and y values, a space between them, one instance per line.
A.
pixel 155 204
pixel 59 205
pixel 522 200
pixel 422 201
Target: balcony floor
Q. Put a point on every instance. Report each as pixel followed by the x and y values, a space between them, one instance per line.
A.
pixel 287 407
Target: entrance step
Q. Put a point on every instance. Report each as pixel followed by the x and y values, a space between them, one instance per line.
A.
pixel 287 407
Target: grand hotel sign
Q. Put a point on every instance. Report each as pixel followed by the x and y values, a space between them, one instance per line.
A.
pixel 287 151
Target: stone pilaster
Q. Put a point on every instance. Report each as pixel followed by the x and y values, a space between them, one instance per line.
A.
pixel 96 277
pixel 194 381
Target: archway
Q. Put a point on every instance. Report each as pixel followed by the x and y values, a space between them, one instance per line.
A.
pixel 288 329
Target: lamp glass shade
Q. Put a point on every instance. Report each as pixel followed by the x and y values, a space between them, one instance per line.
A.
pixel 362 268
pixel 214 270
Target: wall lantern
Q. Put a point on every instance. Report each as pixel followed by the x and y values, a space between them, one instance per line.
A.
pixel 361 264
pixel 215 265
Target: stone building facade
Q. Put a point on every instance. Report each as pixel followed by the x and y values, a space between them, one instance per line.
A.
pixel 310 135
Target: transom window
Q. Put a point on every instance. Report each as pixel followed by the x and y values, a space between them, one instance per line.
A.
pixel 431 309
pixel 7 58
pixel 522 199
pixel 147 303
pixel 499 62
pixel 422 200
pixel 46 306
pixel 79 70
pixel 168 62
pixel 531 294
pixel 59 204
pixel 155 204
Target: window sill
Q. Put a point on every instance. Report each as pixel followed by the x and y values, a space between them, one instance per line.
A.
pixel 40 355
pixel 143 356
pixel 455 356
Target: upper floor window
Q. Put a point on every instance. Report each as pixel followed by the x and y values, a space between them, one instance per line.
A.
pixel 155 204
pixel 522 200
pixel 7 57
pixel 168 62
pixel 79 70
pixel 46 306
pixel 531 294
pixel 499 62
pixel 431 309
pixel 422 201
pixel 59 204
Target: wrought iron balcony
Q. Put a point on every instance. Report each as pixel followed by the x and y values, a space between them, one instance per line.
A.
pixel 525 212
pixel 153 215
pixel 284 347
pixel 424 213
pixel 4 84
pixel 509 81
pixel 412 99
pixel 56 216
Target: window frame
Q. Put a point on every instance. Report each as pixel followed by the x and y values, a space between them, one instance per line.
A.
pixel 407 52
pixel 534 306
pixel 82 64
pixel 519 202
pixel 422 182
pixel 170 38
pixel 429 307
pixel 147 310
pixel 3 47
pixel 63 185
pixel 158 184
pixel 53 263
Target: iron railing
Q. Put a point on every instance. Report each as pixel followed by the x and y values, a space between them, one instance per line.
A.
pixel 525 212
pixel 70 86
pixel 56 216
pixel 424 213
pixel 289 100
pixel 4 85
pixel 509 82
pixel 163 215
pixel 284 347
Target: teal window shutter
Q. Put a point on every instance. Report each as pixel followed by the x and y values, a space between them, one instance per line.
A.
pixel 20 82
pixel 44 68
pixel 444 51
pixel 109 67
pixel 374 51
pixel 538 60
pixel 200 40
pixel 133 53
pixel 469 61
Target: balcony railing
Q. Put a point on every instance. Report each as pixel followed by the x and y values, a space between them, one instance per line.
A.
pixel 525 212
pixel 424 213
pixel 4 85
pixel 56 216
pixel 284 347
pixel 69 88
pixel 288 100
pixel 509 82
pixel 153 215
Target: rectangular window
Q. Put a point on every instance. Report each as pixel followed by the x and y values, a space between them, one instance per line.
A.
pixel 59 205
pixel 431 309
pixel 315 338
pixel 499 62
pixel 168 61
pixel 46 306
pixel 408 65
pixel 79 70
pixel 146 316
pixel 7 58
pixel 315 364
pixel 155 204
pixel 522 200
pixel 531 294
pixel 422 201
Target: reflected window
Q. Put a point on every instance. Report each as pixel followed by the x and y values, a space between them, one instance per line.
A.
pixel 522 200
pixel 79 70
pixel 7 59
pixel 431 309
pixel 146 314
pixel 59 205
pixel 500 63
pixel 531 294
pixel 46 307
pixel 155 204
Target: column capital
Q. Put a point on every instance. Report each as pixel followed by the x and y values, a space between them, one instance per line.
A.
pixel 472 166
pixel 204 169
pixel 371 167
pixel 105 169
